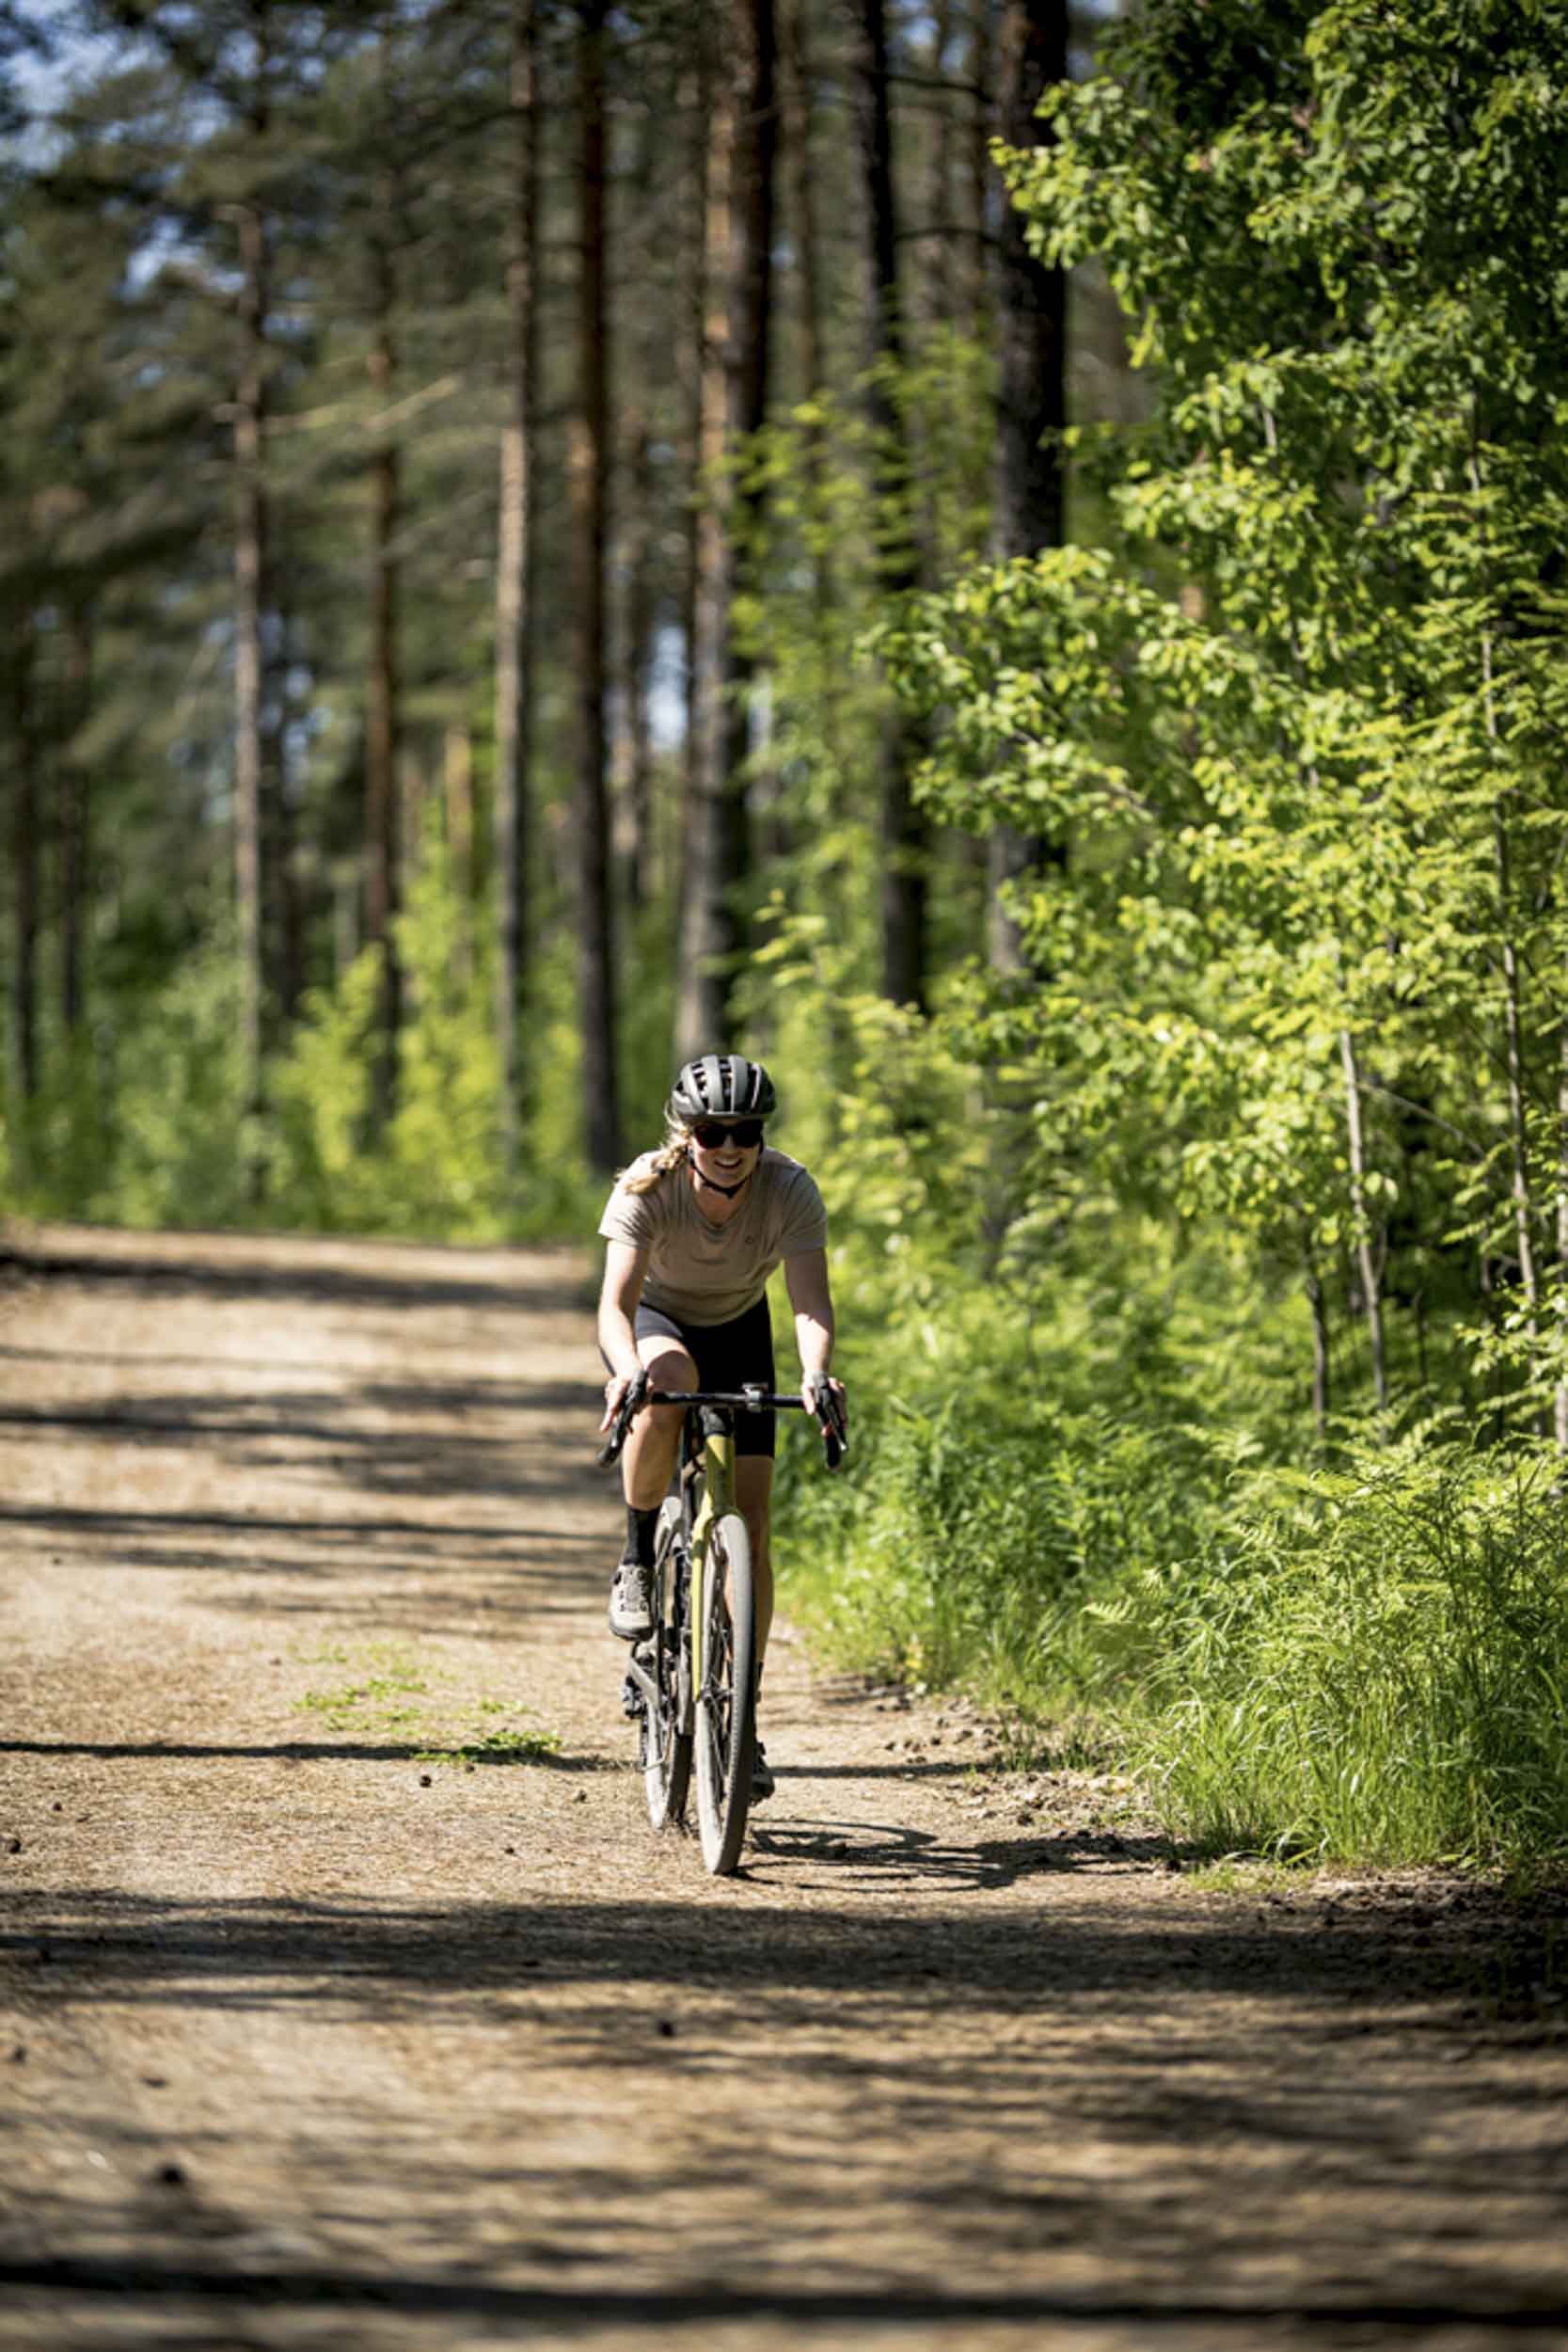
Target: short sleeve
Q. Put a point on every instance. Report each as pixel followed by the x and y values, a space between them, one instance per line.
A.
pixel 804 1223
pixel 628 1218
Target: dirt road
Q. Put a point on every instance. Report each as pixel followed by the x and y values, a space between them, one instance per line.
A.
pixel 347 2001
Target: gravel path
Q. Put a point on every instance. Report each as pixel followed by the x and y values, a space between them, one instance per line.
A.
pixel 346 2000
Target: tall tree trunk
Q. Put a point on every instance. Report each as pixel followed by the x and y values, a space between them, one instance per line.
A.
pixel 283 928
pixel 1371 1288
pixel 982 171
pixel 798 115
pixel 383 685
pixel 799 94
pixel 1030 511
pixel 632 763
pixel 250 653
pixel 754 47
pixel 904 833
pixel 704 107
pixel 936 278
pixel 76 828
pixel 26 810
pixel 590 486
pixel 743 122
pixel 514 583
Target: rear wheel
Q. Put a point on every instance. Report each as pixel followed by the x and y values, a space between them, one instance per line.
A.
pixel 667 1722
pixel 726 1702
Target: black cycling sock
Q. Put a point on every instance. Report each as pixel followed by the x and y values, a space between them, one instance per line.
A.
pixel 640 1535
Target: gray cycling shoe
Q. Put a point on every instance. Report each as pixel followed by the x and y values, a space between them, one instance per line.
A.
pixel 631 1601
pixel 763 1782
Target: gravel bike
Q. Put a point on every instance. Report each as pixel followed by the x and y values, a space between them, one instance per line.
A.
pixel 691 1685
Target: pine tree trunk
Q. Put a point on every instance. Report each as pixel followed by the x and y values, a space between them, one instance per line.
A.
pixel 24 858
pixel 632 763
pixel 75 830
pixel 798 110
pixel 753 51
pixel 514 585
pixel 590 486
pixel 740 170
pixel 1032 404
pixel 705 107
pixel 382 686
pixel 282 943
pixel 936 277
pixel 250 659
pixel 982 171
pixel 905 847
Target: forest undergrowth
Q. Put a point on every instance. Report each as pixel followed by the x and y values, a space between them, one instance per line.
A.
pixel 1092 1493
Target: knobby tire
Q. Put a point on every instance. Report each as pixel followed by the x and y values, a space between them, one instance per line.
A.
pixel 726 1704
pixel 666 1725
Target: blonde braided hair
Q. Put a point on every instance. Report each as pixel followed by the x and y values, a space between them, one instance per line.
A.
pixel 670 1154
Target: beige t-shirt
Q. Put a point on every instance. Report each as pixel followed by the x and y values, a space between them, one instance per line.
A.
pixel 704 1273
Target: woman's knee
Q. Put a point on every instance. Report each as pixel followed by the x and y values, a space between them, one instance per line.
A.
pixel 667 1367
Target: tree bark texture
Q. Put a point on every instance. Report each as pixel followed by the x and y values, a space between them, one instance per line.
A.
pixel 982 171
pixel 738 240
pixel 515 598
pixel 1030 510
pixel 632 764
pixel 708 144
pixel 799 107
pixel 905 843
pixel 383 685
pixel 937 272
pixel 250 653
pixel 589 468
pixel 75 830
pixel 26 862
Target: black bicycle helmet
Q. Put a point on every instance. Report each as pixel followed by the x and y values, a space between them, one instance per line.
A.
pixel 722 1085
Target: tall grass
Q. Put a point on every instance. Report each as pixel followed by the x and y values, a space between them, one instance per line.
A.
pixel 1059 1509
pixel 1373 1665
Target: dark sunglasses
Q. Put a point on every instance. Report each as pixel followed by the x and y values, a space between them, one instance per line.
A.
pixel 713 1133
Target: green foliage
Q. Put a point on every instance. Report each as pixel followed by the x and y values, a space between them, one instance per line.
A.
pixel 1291 1017
pixel 179 1131
pixel 434 1167
pixel 1368 1664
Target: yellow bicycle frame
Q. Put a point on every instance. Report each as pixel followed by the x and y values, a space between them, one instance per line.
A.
pixel 717 1459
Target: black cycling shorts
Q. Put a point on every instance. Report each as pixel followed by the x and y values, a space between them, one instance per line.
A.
pixel 727 1355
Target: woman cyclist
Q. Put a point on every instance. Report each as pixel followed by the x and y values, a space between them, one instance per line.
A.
pixel 693 1232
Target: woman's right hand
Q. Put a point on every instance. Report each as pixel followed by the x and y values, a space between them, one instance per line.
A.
pixel 616 1390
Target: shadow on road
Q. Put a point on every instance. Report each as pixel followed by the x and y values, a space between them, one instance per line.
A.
pixel 654 2312
pixel 293 1273
pixel 99 1945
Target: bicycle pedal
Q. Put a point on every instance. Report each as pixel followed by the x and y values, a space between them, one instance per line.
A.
pixel 633 1705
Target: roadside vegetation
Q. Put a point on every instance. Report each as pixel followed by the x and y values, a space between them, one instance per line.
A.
pixel 1144 873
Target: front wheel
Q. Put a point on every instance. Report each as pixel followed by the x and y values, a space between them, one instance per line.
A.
pixel 667 1719
pixel 727 1693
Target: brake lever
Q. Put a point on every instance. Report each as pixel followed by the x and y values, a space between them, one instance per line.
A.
pixel 834 1426
pixel 631 1404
